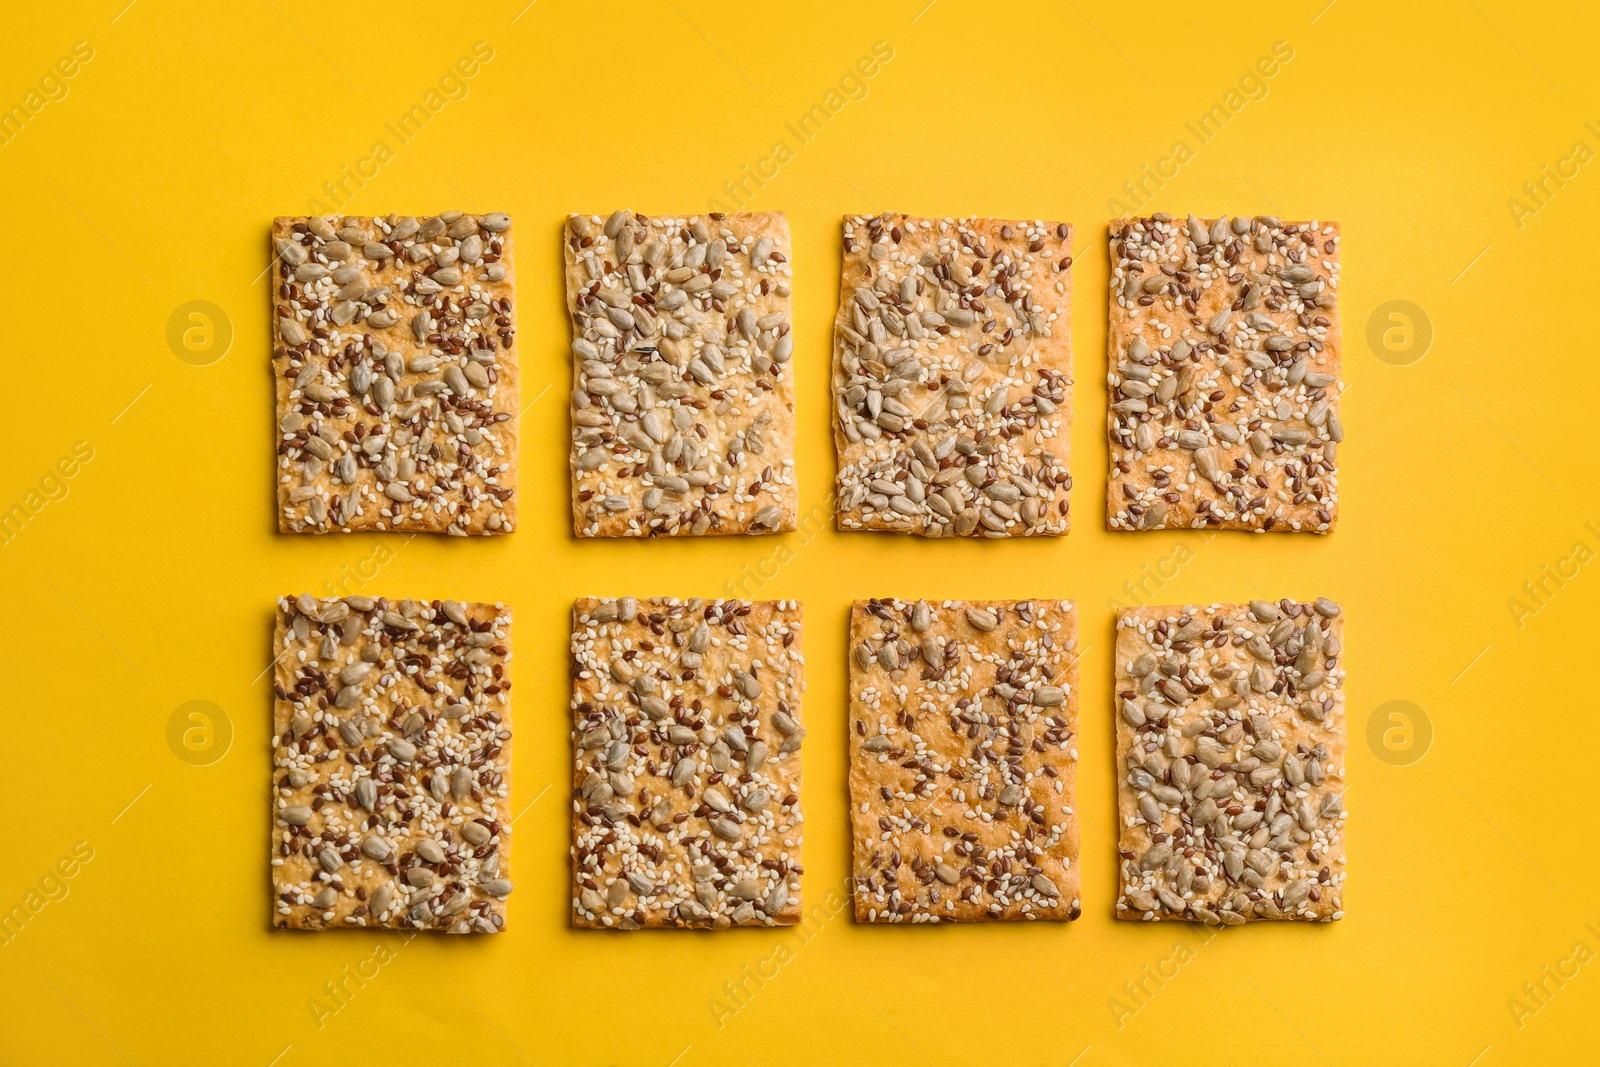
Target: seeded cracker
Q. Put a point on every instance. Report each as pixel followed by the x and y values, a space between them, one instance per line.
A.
pixel 396 374
pixel 683 396
pixel 952 376
pixel 963 759
pixel 1230 757
pixel 391 765
pixel 1224 347
pixel 686 784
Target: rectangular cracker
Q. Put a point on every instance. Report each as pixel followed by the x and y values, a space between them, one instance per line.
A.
pixel 395 371
pixel 963 760
pixel 1230 762
pixel 683 393
pixel 686 771
pixel 952 376
pixel 1224 374
pixel 391 778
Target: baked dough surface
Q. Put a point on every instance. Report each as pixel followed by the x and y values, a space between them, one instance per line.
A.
pixel 395 373
pixel 686 763
pixel 391 778
pixel 1224 351
pixel 952 376
pixel 1230 727
pixel 963 760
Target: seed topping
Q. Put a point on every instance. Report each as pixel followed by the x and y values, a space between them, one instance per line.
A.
pixel 952 376
pixel 395 371
pixel 391 765
pixel 1230 756
pixel 963 760
pixel 1224 374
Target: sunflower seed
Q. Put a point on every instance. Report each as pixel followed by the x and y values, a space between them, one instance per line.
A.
pixel 982 619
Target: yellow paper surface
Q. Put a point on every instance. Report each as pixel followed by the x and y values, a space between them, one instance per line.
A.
pixel 1454 144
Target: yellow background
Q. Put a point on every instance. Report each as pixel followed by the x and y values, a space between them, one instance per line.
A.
pixel 150 583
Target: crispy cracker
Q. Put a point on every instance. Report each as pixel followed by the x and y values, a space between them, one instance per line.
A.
pixel 952 376
pixel 395 372
pixel 1224 374
pixel 391 765
pixel 686 779
pixel 963 760
pixel 683 398
pixel 1230 761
